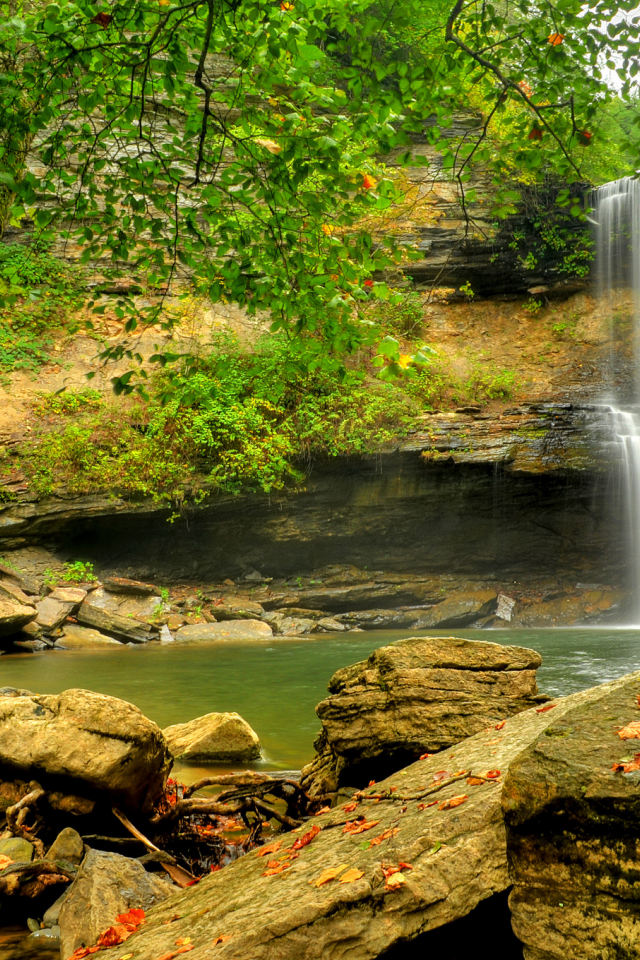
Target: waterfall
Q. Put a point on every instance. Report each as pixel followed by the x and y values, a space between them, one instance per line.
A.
pixel 617 216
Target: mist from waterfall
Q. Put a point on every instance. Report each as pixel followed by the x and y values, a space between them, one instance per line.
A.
pixel 617 217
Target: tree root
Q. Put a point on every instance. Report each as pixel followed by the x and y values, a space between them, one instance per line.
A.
pixel 17 814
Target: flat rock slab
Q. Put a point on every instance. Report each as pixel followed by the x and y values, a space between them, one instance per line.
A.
pixel 228 630
pixel 87 742
pixel 116 625
pixel 573 833
pixel 220 737
pixel 53 612
pixel 135 588
pixel 75 637
pixel 458 855
pixel 14 616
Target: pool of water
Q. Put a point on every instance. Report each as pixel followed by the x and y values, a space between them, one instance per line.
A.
pixel 276 685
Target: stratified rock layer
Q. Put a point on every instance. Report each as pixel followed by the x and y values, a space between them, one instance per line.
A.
pixel 573 834
pixel 222 737
pixel 416 696
pixel 458 856
pixel 89 742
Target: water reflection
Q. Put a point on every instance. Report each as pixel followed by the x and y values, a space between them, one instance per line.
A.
pixel 276 686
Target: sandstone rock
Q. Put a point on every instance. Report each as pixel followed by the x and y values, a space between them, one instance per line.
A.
pixel 75 637
pixel 329 625
pixel 69 594
pixel 231 630
pixel 353 597
pixel 458 855
pixel 13 616
pixel 17 849
pixel 51 917
pixel 380 619
pixel 237 610
pixel 93 743
pixel 289 626
pixel 458 610
pixel 573 834
pixel 223 737
pixel 11 591
pixel 123 585
pixel 52 613
pixel 416 696
pixel 115 625
pixel 68 846
pixel 107 885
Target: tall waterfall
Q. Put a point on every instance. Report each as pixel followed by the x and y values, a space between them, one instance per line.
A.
pixel 617 216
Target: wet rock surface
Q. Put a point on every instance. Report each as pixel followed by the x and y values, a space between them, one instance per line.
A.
pixel 413 697
pixel 457 852
pixel 93 614
pixel 221 737
pixel 107 884
pixel 572 816
pixel 228 630
pixel 14 616
pixel 88 742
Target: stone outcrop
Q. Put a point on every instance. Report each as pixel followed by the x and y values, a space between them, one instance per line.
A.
pixel 571 805
pixel 457 851
pixel 75 637
pixel 227 630
pixel 413 697
pixel 88 743
pixel 239 609
pixel 67 846
pixel 126 629
pixel 107 885
pixel 14 616
pixel 221 737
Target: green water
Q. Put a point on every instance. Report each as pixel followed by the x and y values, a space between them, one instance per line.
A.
pixel 276 685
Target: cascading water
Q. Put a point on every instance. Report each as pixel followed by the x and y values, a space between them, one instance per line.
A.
pixel 617 216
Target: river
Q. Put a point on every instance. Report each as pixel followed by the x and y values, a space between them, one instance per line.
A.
pixel 275 685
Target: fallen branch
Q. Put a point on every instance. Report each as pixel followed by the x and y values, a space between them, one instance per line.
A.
pixel 17 814
pixel 168 863
pixel 31 879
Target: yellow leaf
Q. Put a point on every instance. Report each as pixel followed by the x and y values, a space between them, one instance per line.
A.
pixel 404 360
pixel 351 875
pixel 328 875
pixel 395 881
pixel 127 956
pixel 269 145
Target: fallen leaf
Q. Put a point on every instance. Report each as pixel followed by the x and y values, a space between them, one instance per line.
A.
pixel 269 145
pixel 500 725
pixel 359 826
pixel 395 881
pixel 372 783
pixel 324 810
pixel 270 848
pixel 555 39
pixel 350 807
pixel 405 866
pixel 182 940
pixel 134 916
pixel 127 956
pixel 306 838
pixel 279 868
pixel 221 939
pixel 112 936
pixel 492 774
pixel 351 875
pixel 627 767
pixel 475 781
pixel 441 775
pixel 5 861
pixel 630 732
pixel 435 848
pixel 327 876
pixel 391 832
pixel 185 949
pixel 549 706
pixel 454 802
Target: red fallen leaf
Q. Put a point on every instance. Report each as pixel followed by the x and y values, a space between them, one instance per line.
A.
pixel 359 826
pixel 134 916
pixel 425 756
pixel 454 802
pixel 500 725
pixel 369 283
pixel 492 774
pixel 350 807
pixel 555 39
pixel 192 883
pixel 372 783
pixel 83 952
pixel 535 134
pixel 405 866
pixel 270 848
pixel 307 838
pixel 441 775
pixel 116 934
pixel 221 939
pixel 102 19
pixel 549 706
pixel 628 767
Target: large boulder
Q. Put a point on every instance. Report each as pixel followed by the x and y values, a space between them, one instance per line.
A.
pixel 87 742
pixel 412 697
pixel 94 613
pixel 75 637
pixel 237 609
pixel 228 630
pixel 107 884
pixel 222 737
pixel 572 808
pixel 13 616
pixel 442 816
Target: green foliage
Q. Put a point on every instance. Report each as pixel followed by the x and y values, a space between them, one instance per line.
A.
pixel 492 384
pixel 76 571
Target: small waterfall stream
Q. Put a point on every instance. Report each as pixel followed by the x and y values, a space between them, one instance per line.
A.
pixel 617 216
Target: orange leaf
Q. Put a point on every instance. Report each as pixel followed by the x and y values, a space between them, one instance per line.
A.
pixel 630 732
pixel 549 706
pixel 454 802
pixel 307 838
pixel 350 807
pixel 181 941
pixel 391 832
pixel 116 934
pixel 327 876
pixel 475 781
pixel 441 775
pixel 372 783
pixel 324 810
pixel 395 881
pixel 286 6
pixel 555 39
pixel 221 939
pixel 277 869
pixel 628 767
pixel 4 861
pixel 368 182
pixel 405 866
pixel 351 875
pixel 359 826
pixel 492 774
pixel 134 916
pixel 500 725
pixel 425 756
pixel 270 848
